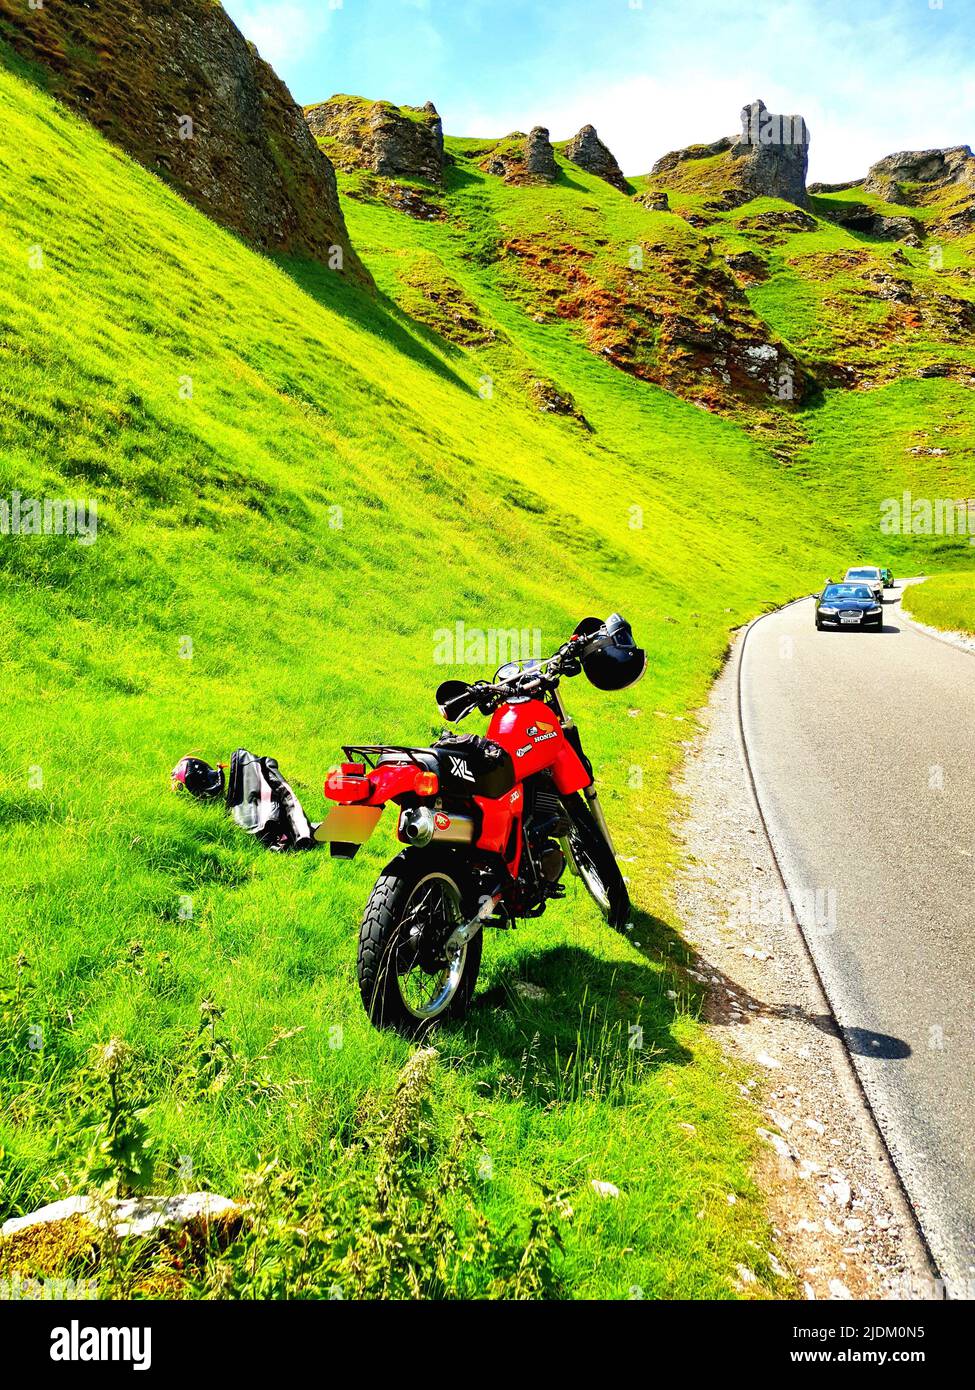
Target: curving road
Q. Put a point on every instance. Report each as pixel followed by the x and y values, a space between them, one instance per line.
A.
pixel 862 747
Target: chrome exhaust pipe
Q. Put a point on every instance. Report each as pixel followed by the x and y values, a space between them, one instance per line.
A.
pixel 416 826
pixel 420 825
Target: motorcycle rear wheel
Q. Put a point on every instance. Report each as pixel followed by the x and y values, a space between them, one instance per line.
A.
pixel 406 979
pixel 596 863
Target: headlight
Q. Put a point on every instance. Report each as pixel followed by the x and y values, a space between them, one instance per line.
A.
pixel 830 612
pixel 876 609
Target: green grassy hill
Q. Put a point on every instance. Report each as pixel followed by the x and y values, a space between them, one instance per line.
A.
pixel 947 602
pixel 298 485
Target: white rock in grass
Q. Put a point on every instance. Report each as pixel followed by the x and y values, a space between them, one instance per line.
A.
pixel 134 1216
pixel 780 1145
pixel 55 1211
pixel 764 1060
pixel 837 1289
pixel 604 1189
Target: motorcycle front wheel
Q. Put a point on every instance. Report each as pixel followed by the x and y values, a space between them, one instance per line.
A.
pixel 408 979
pixel 596 863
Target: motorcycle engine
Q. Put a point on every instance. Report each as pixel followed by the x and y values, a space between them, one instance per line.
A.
pixel 544 863
pixel 542 868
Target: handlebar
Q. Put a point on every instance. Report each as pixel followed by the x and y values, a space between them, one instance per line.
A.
pixel 486 696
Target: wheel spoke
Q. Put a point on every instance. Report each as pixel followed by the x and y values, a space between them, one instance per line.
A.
pixel 427 986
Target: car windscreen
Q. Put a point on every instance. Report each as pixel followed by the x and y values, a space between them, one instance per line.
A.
pixel 838 591
pixel 862 574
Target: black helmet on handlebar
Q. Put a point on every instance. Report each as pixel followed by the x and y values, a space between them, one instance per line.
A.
pixel 612 660
pixel 605 651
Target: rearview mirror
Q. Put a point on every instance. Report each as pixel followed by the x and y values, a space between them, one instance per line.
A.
pixel 454 699
pixel 587 627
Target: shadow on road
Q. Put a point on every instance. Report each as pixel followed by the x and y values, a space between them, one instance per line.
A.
pixel 846 631
pixel 726 1002
pixel 867 1044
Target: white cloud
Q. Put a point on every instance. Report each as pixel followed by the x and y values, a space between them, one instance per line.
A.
pixel 639 118
pixel 283 30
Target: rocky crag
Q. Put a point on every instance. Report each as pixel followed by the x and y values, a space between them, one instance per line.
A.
pixel 521 158
pixel 929 169
pixel 588 151
pixel 767 159
pixel 178 87
pixel 772 153
pixel 395 142
pixel 933 192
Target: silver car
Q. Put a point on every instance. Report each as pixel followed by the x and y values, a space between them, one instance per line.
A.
pixel 871 575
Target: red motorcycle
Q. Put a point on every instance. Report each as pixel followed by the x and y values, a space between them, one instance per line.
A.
pixel 489 826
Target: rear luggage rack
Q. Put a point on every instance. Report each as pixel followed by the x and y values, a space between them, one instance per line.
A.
pixel 371 753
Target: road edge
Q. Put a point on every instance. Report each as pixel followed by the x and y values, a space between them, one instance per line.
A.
pixel 853 1090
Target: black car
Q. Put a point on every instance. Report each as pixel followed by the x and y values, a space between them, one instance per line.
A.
pixel 848 605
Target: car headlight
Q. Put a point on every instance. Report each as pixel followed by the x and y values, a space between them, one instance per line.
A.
pixel 830 612
pixel 875 609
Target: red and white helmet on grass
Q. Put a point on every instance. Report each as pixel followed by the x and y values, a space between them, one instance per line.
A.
pixel 199 778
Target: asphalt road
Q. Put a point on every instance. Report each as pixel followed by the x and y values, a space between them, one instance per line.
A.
pixel 862 747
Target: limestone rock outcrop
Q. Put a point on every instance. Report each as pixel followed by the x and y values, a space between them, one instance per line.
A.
pixel 773 151
pixel 539 155
pixel 521 158
pixel 588 151
pixel 932 168
pixel 860 217
pixel 392 141
pixel 768 159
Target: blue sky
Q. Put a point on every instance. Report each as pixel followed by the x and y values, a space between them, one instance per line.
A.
pixel 870 76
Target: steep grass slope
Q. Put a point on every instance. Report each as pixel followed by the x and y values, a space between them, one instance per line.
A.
pixel 297 489
pixel 753 309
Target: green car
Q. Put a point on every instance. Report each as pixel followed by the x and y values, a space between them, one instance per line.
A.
pixel 888 578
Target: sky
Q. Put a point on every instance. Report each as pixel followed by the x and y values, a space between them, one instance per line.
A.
pixel 870 76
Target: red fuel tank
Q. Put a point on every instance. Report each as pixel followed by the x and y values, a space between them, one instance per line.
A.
pixel 531 733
